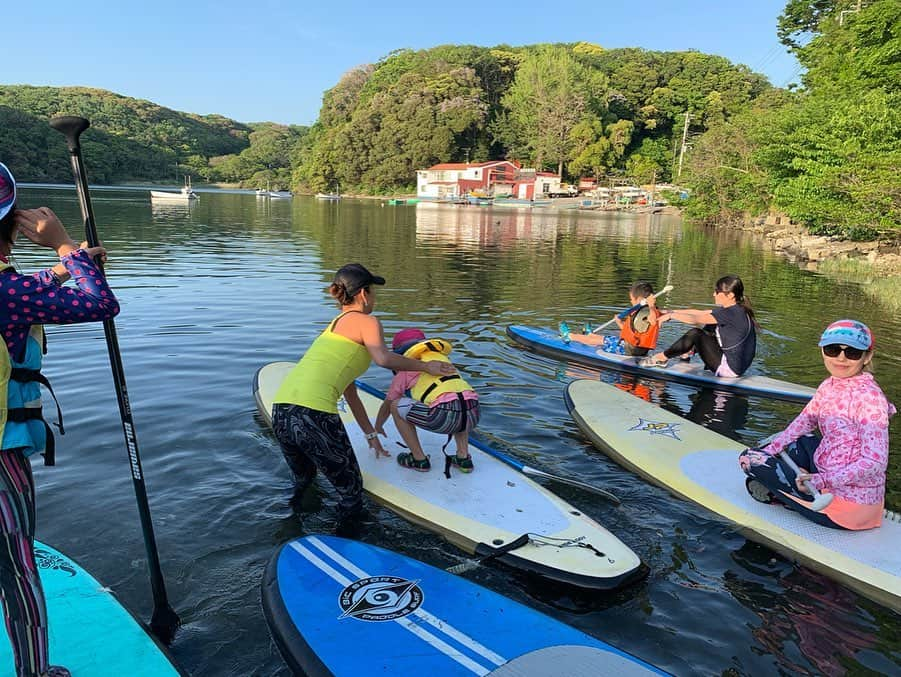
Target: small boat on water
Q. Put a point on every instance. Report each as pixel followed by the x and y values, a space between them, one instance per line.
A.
pixel 336 195
pixel 186 193
pixel 281 194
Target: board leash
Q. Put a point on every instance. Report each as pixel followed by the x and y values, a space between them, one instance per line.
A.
pixel 537 540
pixel 470 564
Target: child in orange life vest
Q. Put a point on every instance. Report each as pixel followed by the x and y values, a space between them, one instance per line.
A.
pixel 637 333
pixel 441 404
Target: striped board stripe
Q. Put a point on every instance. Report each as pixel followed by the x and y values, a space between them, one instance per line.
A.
pixel 415 619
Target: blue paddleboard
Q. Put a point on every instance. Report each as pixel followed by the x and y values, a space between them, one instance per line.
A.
pixel 91 633
pixel 548 342
pixel 341 607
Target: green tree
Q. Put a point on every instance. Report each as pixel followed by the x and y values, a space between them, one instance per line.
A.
pixel 552 92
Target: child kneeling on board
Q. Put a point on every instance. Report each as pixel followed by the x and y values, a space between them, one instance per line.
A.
pixel 442 404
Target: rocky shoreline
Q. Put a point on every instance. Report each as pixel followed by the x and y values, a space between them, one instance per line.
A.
pixel 794 242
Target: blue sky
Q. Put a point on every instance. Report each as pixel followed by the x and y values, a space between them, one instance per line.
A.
pixel 271 60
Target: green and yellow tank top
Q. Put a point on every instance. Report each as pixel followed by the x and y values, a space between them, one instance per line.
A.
pixel 324 372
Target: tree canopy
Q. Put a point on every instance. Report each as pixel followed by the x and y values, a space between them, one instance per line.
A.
pixel 829 155
pixel 132 139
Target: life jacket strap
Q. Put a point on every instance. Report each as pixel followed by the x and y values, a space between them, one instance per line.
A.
pixel 22 375
pixel 442 379
pixel 23 414
pixel 448 461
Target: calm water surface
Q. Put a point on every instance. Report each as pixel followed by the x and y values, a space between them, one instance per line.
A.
pixel 212 291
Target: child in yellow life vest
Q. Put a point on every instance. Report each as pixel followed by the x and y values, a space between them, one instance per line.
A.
pixel 441 404
pixel 637 333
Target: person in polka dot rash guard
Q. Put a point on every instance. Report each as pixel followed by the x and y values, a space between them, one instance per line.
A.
pixel 849 456
pixel 27 302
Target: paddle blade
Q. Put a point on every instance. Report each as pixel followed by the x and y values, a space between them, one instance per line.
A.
pixel 821 501
pixel 70 126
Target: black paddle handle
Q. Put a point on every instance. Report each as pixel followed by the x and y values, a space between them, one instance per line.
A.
pixel 164 621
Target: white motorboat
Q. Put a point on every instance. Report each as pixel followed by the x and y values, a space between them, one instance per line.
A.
pixel 186 193
pixel 281 193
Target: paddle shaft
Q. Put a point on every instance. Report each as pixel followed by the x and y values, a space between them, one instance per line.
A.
pixel 638 306
pixel 820 501
pixel 164 621
pixel 526 470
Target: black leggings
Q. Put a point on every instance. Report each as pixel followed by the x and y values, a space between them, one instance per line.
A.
pixel 312 440
pixel 703 342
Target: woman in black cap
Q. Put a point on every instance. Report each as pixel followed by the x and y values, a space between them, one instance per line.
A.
pixel 305 412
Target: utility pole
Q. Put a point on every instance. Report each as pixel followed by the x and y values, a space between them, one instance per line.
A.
pixel 841 15
pixel 682 149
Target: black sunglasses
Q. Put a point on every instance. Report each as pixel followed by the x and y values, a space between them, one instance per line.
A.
pixel 835 350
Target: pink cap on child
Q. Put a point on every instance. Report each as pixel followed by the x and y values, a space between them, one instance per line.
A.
pixel 406 338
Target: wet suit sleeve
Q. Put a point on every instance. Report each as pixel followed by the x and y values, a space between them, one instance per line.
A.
pixel 805 422
pixel 872 417
pixel 40 299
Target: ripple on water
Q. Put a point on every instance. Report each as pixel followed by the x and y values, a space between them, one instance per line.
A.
pixel 213 291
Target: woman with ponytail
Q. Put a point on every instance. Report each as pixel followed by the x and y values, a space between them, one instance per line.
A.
pixel 726 338
pixel 305 409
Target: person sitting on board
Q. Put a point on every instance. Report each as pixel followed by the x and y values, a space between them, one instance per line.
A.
pixel 726 338
pixel 638 332
pixel 849 456
pixel 305 408
pixel 30 301
pixel 442 404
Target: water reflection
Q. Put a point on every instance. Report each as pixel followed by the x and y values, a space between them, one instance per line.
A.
pixel 171 210
pixel 720 411
pixel 473 226
pixel 807 621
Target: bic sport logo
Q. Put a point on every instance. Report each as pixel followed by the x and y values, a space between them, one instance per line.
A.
pixel 380 598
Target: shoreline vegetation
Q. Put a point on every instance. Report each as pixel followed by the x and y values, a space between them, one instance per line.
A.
pixel 826 153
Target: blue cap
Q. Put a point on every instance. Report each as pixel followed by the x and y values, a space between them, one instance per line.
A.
pixel 848 333
pixel 7 191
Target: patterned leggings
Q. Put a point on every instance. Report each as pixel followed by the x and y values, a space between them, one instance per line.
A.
pixel 779 478
pixel 24 609
pixel 312 440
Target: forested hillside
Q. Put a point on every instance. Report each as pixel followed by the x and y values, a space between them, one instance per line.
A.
pixel 828 155
pixel 131 139
pixel 575 108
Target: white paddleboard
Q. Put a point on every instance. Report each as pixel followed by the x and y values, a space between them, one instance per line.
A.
pixel 702 466
pixel 483 510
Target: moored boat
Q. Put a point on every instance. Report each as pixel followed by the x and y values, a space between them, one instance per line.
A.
pixel 186 193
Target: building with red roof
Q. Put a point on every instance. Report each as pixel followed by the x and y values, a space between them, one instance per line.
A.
pixel 495 178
